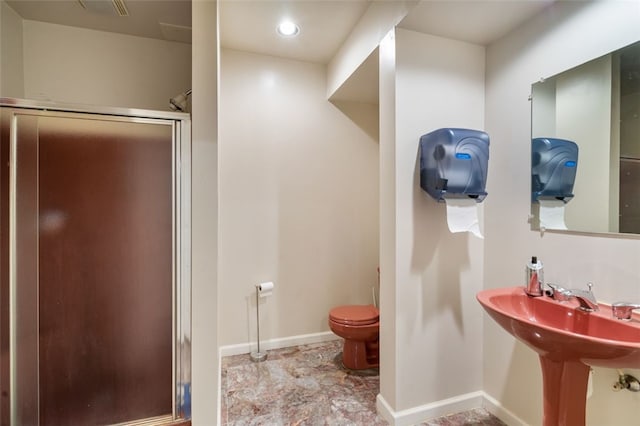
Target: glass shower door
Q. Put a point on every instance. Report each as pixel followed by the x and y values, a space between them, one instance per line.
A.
pixel 95 314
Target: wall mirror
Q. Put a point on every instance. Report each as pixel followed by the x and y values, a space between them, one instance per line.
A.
pixel 597 106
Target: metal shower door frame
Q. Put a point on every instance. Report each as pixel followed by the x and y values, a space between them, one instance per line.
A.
pixel 181 236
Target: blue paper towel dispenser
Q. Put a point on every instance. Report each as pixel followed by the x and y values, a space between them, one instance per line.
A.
pixel 554 163
pixel 453 163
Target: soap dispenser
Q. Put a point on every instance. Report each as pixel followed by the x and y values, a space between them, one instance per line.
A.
pixel 534 284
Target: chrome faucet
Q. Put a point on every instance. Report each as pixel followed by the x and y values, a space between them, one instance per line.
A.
pixel 623 310
pixel 558 293
pixel 586 298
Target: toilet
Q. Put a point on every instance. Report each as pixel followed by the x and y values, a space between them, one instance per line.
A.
pixel 359 326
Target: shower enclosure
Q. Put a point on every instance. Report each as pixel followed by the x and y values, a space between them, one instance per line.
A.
pixel 94 265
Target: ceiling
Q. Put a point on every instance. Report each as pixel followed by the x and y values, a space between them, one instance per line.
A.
pixel 324 25
pixel 474 21
pixel 160 19
pixel 249 25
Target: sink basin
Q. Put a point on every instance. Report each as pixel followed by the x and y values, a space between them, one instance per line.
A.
pixel 561 332
pixel 567 341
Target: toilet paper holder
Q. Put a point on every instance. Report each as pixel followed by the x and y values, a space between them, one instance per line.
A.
pixel 262 290
pixel 453 163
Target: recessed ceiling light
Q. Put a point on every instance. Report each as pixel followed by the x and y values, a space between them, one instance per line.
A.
pixel 288 29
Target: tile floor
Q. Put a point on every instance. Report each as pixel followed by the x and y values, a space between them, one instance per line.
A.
pixel 306 385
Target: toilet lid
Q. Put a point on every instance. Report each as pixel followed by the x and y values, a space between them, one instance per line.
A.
pixel 355 314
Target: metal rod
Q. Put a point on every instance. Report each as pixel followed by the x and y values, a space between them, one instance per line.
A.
pixel 258 356
pixel 258 316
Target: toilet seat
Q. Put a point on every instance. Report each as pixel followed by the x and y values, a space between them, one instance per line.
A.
pixel 355 315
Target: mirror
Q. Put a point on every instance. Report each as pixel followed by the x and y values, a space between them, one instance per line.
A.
pixel 596 105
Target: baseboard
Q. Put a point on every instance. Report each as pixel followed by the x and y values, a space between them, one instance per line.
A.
pixel 493 406
pixel 284 342
pixel 418 414
pixel 465 402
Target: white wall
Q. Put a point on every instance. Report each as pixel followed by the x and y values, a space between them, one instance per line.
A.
pixel 433 345
pixel 380 17
pixel 298 199
pixel 205 366
pixel 557 39
pixel 11 70
pixel 76 65
pixel 387 161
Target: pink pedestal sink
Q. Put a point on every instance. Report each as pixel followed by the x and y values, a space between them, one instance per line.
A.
pixel 568 341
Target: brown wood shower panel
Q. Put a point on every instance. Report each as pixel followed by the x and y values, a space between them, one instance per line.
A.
pixel 105 271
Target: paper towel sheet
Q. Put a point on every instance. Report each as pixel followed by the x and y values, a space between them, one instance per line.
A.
pixel 462 215
pixel 552 214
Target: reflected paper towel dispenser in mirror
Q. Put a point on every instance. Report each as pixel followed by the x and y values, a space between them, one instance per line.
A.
pixel 453 163
pixel 553 169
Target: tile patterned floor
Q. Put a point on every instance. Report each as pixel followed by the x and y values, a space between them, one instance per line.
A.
pixel 305 385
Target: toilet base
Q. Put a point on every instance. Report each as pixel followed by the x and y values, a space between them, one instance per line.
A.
pixel 360 355
pixel 368 372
